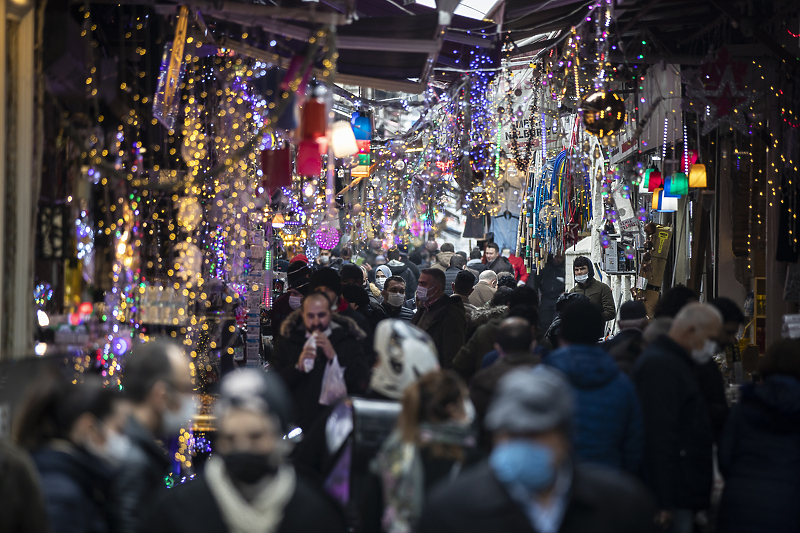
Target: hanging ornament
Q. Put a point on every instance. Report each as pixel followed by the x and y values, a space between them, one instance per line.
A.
pixel 399 165
pixel 190 213
pixel 327 237
pixel 602 113
pixel 189 259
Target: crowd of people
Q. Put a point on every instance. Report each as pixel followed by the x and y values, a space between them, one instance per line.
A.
pixel 434 391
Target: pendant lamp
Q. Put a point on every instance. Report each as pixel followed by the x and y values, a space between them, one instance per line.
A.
pixel 676 185
pixel 666 204
pixel 655 181
pixel 643 185
pixel 343 139
pixel 276 167
pixel 697 177
pixel 656 195
pixel 309 162
pixel 362 127
pixel 692 159
pixel 315 118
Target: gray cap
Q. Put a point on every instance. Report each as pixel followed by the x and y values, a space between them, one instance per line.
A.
pixel 530 401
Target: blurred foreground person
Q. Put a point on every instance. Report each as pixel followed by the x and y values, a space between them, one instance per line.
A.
pixel 678 437
pixel 608 419
pixel 433 441
pixel 23 507
pixel 247 485
pixel 158 386
pixel 531 482
pixel 759 452
pixel 73 433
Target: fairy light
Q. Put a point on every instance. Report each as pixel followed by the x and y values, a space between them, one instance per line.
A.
pixel 685 150
pixel 664 146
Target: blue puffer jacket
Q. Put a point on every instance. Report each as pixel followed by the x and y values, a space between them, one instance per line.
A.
pixel 608 419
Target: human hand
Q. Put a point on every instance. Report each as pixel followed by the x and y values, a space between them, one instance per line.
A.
pixel 324 342
pixel 309 353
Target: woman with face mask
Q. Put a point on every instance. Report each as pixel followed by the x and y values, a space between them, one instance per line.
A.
pixel 248 485
pixel 73 433
pixel 433 442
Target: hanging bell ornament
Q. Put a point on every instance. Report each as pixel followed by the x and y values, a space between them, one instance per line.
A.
pixel 597 154
pixel 602 113
pixel 604 140
pixel 586 147
pixel 612 142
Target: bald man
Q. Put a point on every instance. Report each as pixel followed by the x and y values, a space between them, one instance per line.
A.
pixel 678 435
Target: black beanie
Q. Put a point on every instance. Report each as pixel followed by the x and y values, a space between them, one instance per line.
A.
pixel 326 277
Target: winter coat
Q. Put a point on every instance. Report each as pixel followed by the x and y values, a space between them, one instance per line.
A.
pixel 625 347
pixel 549 281
pixel 500 264
pixel 600 501
pixel 712 386
pixel 477 266
pixel 405 272
pixel 450 277
pixel 483 384
pixel 469 358
pixel 678 438
pixel 442 261
pixel 75 485
pixel 600 295
pixel 20 492
pixel 607 428
pixel 445 321
pixel 280 310
pixel 140 478
pixel 402 312
pixel 759 456
pixel 484 315
pixel 191 508
pixel 347 340
pixel 470 310
pixel 520 270
pixel 482 293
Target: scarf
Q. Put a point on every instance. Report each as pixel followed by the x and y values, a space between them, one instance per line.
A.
pixel 265 513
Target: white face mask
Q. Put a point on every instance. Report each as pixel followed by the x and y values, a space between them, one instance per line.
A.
pixel 380 282
pixel 582 278
pixel 294 301
pixel 324 259
pixel 703 355
pixel 396 299
pixel 173 421
pixel 115 451
pixel 422 294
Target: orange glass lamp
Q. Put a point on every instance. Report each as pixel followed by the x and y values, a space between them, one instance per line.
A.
pixel 697 177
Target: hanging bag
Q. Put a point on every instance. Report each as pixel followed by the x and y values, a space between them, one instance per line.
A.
pixel 333 385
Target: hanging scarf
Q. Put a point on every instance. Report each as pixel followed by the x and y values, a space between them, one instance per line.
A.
pixel 399 465
pixel 265 513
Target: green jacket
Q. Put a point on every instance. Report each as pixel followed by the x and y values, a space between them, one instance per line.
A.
pixel 600 295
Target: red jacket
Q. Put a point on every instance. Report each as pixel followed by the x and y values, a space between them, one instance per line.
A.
pixel 519 267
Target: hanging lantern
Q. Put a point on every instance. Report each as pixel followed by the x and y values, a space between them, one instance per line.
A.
pixel 655 181
pixel 343 139
pixel 327 237
pixel 697 177
pixel 656 195
pixel 602 113
pixel 309 162
pixel 692 159
pixel 666 204
pixel 276 168
pixel 362 127
pixel 643 186
pixel 315 119
pixel 676 185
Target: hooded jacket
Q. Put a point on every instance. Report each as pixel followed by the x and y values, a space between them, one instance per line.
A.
pixel 599 294
pixel 347 340
pixel 405 272
pixel 759 455
pixel 608 419
pixel 443 260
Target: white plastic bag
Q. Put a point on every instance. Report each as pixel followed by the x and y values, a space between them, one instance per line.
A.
pixel 308 364
pixel 333 385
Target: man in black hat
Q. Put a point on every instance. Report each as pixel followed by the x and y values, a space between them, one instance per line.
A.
pixel 297 277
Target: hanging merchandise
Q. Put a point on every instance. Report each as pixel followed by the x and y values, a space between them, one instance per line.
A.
pixel 655 181
pixel 276 167
pixel 676 185
pixel 697 176
pixel 309 161
pixel 343 139
pixel 603 113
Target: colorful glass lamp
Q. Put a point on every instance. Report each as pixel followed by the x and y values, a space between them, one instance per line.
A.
pixel 697 177
pixel 656 181
pixel 676 185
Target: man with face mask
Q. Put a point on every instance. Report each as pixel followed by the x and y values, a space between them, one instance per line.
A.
pixel 394 296
pixel 308 341
pixel 678 436
pixel 247 484
pixel 157 384
pixel 440 316
pixel 530 481
pixel 598 292
pixel 323 259
pixel 297 278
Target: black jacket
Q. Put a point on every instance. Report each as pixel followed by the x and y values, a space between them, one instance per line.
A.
pixel 191 508
pixel 20 492
pixel 625 347
pixel 140 479
pixel 712 385
pixel 600 501
pixel 404 271
pixel 549 281
pixel 678 438
pixel 450 276
pixel 402 312
pixel 759 456
pixel 445 321
pixel 346 338
pixel 500 264
pixel 76 487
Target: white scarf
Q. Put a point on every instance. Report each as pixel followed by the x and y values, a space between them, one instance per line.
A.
pixel 265 513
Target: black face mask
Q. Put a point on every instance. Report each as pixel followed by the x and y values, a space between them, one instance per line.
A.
pixel 249 467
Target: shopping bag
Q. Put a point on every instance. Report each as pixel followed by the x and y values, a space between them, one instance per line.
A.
pixel 333 385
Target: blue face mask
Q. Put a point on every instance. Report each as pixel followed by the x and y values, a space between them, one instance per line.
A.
pixel 525 463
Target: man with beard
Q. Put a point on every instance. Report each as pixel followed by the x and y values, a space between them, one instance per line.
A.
pixel 309 340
